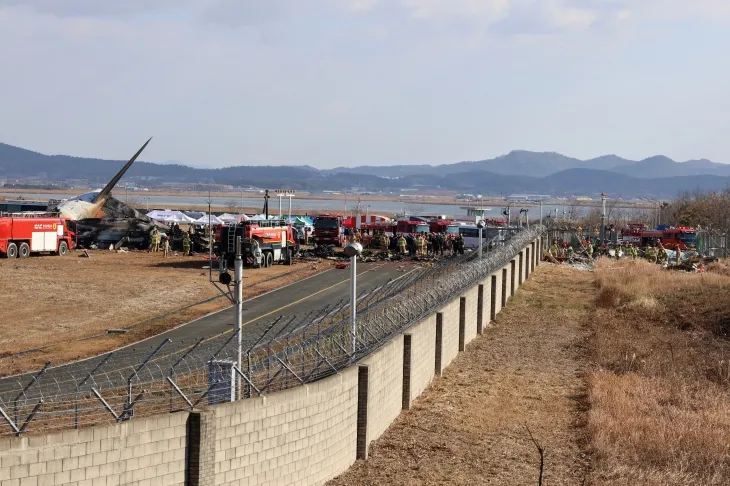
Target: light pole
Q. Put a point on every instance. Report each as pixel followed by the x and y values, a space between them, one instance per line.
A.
pixel 241 200
pixel 238 290
pixel 353 250
pixel 540 212
pixel 480 225
pixel 284 193
pixel 147 203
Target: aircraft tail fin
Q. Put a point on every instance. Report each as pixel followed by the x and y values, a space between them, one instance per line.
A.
pixel 108 188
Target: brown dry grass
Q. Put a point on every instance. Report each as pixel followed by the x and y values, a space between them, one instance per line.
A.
pixel 469 427
pixel 660 403
pixel 55 302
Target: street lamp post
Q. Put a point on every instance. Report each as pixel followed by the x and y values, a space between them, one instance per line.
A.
pixel 480 225
pixel 540 212
pixel 284 193
pixel 238 290
pixel 353 250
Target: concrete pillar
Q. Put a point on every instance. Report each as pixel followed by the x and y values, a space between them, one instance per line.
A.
pixel 521 258
pixel 462 323
pixel 362 413
pixel 200 448
pixel 528 262
pixel 407 340
pixel 480 309
pixel 439 342
pixel 512 278
pixel 493 299
pixel 504 287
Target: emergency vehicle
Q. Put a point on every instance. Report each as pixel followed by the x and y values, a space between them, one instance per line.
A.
pixel 22 234
pixel 328 230
pixel 670 237
pixel 263 243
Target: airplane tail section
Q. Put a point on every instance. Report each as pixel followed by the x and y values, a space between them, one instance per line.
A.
pixel 108 188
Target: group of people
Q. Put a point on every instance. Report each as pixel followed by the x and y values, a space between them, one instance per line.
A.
pixel 654 253
pixel 419 244
pixel 161 242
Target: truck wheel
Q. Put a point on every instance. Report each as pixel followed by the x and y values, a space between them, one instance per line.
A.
pixel 269 259
pixel 63 248
pixel 24 250
pixel 12 251
pixel 287 256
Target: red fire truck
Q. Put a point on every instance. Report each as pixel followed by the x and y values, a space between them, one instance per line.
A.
pixel 639 234
pixel 328 230
pixel 22 234
pixel 263 242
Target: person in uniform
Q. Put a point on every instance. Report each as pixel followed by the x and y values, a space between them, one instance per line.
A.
pixel 651 253
pixel 165 246
pixel 589 251
pixel 186 245
pixel 662 255
pixel 402 246
pixel 155 240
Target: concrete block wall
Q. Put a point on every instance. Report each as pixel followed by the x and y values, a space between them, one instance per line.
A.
pixel 385 369
pixel 450 340
pixel 301 436
pixel 147 451
pixel 423 354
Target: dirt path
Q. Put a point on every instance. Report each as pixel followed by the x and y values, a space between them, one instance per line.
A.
pixel 469 427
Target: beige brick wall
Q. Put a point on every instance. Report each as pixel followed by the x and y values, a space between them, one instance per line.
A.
pixel 470 328
pixel 423 356
pixel 450 332
pixel 304 435
pixel 385 386
pixel 143 452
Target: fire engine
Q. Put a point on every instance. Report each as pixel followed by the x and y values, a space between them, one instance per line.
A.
pixel 328 230
pixel 263 242
pixel 683 237
pixel 24 233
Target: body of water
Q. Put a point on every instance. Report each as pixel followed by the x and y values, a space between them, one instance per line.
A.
pixel 313 206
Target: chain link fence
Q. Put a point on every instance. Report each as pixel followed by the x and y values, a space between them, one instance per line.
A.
pixel 278 354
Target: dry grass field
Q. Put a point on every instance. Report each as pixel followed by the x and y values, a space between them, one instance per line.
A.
pixel 53 302
pixel 659 397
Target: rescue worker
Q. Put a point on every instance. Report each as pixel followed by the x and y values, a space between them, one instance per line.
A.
pixel 155 240
pixel 460 244
pixel 651 253
pixel 662 255
pixel 569 253
pixel 165 247
pixel 589 251
pixel 186 245
pixel 554 249
pixel 402 246
pixel 618 251
pixel 375 241
pixel 677 256
pixel 385 242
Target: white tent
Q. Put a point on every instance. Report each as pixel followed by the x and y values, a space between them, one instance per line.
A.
pixel 205 221
pixel 170 216
pixel 232 218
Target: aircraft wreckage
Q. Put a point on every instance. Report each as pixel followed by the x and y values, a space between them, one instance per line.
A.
pixel 102 220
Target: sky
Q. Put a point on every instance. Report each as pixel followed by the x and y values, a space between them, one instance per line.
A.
pixel 334 83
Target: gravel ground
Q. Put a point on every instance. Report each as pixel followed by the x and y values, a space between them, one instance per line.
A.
pixel 471 426
pixel 56 301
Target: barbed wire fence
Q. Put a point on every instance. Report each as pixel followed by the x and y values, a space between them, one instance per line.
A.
pixel 287 351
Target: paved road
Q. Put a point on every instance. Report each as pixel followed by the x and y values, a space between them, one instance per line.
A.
pixel 302 298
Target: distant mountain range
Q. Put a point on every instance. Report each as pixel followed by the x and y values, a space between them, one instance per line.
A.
pixel 516 172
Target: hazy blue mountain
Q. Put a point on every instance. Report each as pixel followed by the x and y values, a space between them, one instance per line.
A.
pixel 519 171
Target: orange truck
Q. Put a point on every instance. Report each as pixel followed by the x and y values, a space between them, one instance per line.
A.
pixel 262 242
pixel 22 235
